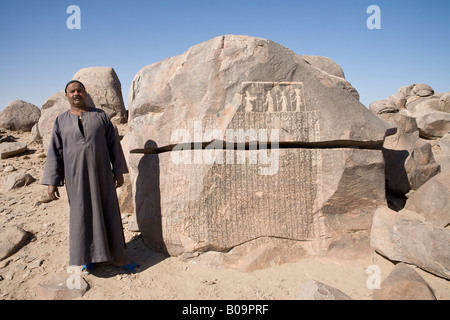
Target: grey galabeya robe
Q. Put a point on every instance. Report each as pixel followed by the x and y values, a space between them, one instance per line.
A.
pixel 86 158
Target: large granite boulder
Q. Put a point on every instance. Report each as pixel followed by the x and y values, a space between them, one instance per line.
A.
pixel 105 90
pixel 404 236
pixel 249 93
pixel 19 116
pixel 432 200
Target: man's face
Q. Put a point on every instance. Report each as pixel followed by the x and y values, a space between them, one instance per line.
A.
pixel 76 95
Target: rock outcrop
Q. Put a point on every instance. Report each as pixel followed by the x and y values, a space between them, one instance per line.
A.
pixel 240 93
pixel 104 88
pixel 19 116
pixel 417 159
pixel 404 283
pixel 403 236
pixel 419 148
pixel 432 200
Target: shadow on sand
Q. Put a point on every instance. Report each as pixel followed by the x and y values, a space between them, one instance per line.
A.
pixel 148 215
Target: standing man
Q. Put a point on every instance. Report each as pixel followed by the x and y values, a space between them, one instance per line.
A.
pixel 85 154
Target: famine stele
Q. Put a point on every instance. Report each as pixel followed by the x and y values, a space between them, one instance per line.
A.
pixel 85 154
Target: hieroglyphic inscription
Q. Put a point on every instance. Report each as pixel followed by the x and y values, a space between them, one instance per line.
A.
pixel 232 203
pixel 277 105
pixel 237 204
pixel 272 97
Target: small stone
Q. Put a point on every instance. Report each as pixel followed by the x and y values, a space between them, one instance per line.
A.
pixel 11 240
pixel 16 180
pixel 315 290
pixel 404 283
pixel 35 264
pixel 11 149
pixel 9 168
pixel 63 286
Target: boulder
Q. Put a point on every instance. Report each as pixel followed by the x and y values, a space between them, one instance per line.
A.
pixel 444 102
pixel 11 240
pixel 420 166
pixel 19 116
pixel 401 237
pixel 441 151
pixel 63 286
pixel 404 283
pixel 429 109
pixel 432 200
pixel 409 160
pixel 249 93
pixel 381 107
pixel 400 97
pixel 417 94
pixel 315 290
pixel 427 105
pixel 11 149
pixel 408 97
pixel 422 90
pixel 105 90
pixel 432 124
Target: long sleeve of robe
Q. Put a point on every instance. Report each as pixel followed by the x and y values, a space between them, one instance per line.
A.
pixel 87 161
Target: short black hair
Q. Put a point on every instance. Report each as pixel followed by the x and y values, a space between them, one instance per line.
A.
pixel 73 81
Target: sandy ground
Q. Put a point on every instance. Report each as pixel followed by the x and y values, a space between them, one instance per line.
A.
pixel 161 277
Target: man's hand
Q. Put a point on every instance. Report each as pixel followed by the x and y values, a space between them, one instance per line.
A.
pixel 118 180
pixel 53 192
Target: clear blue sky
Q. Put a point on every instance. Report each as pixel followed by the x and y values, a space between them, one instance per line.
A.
pixel 39 54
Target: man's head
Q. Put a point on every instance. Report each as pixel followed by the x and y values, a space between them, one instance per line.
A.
pixel 76 94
